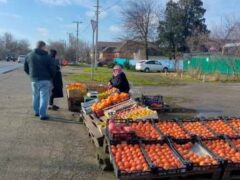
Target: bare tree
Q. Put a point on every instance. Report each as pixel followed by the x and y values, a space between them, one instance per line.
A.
pixel 59 46
pixel 196 42
pixel 140 21
pixel 9 46
pixel 227 31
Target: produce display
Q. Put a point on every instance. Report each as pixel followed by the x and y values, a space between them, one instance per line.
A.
pixel 107 93
pixel 220 127
pixel 223 149
pixel 162 156
pixel 76 89
pixel 139 146
pixel 200 160
pixel 136 112
pixel 111 100
pixel 145 130
pixel 172 129
pixel 129 158
pixel 197 128
pixel 235 123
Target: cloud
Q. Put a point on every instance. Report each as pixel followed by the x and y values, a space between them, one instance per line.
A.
pixel 42 31
pixel 3 1
pixel 10 15
pixel 91 14
pixel 115 29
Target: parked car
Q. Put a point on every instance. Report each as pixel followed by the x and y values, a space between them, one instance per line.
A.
pixel 11 58
pixel 21 58
pixel 152 66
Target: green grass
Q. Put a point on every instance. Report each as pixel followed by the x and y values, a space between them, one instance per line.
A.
pixel 103 75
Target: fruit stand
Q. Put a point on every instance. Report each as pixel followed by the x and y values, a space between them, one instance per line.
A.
pixel 136 144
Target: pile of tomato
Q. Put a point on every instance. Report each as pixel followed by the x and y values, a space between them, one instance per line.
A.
pixel 220 127
pixel 236 142
pixel 200 160
pixel 129 157
pixel 162 156
pixel 235 123
pixel 145 130
pixel 197 128
pixel 223 149
pixel 172 129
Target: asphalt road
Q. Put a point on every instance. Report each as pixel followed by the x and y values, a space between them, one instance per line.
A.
pixel 6 67
pixel 30 149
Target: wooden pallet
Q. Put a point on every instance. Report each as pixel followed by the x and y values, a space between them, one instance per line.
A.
pixel 96 136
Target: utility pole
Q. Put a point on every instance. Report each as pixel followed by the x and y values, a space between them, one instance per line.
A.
pixel 77 44
pixel 96 44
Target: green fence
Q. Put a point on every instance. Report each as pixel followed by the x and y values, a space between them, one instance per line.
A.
pixel 208 64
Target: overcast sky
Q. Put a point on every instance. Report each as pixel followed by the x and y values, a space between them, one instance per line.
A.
pixel 52 19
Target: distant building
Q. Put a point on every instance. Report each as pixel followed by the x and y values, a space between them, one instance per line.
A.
pixel 127 49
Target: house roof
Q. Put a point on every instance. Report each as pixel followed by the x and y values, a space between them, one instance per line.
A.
pixel 134 43
pixel 104 44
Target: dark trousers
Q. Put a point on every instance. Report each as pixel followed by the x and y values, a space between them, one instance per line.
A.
pixel 51 100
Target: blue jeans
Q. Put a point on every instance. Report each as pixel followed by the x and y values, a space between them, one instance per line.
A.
pixel 41 91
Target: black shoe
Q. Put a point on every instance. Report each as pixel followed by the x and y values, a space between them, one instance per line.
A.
pixel 54 107
pixel 36 114
pixel 50 107
pixel 44 118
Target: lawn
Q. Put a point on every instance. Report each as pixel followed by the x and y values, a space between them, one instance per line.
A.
pixel 102 75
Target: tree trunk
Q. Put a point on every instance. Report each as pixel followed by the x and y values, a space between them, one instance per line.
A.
pixel 146 48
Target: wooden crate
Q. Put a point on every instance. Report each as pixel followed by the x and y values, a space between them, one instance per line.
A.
pixel 74 104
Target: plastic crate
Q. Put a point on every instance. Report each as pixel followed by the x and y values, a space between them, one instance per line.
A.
pixel 130 122
pixel 129 174
pixel 218 131
pixel 199 124
pixel 169 134
pixel 160 172
pixel 149 101
pixel 230 122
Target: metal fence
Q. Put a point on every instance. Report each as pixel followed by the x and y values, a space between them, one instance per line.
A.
pixel 213 64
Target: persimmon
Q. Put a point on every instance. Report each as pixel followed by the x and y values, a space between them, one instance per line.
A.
pixel 172 129
pixel 197 128
pixel 129 157
pixel 185 151
pixel 224 150
pixel 145 130
pixel 162 156
pixel 220 127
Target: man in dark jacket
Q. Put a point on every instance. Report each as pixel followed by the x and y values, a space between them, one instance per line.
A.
pixel 41 69
pixel 119 80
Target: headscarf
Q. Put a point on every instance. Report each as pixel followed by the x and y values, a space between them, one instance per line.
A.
pixel 117 70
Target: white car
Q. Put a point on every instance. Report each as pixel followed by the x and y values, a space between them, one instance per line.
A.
pixel 151 66
pixel 21 59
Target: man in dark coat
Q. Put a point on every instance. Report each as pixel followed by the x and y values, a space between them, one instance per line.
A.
pixel 57 91
pixel 119 80
pixel 41 69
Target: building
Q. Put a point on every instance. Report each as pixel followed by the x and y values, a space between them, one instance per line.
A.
pixel 127 49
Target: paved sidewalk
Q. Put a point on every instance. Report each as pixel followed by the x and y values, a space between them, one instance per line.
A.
pixel 31 149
